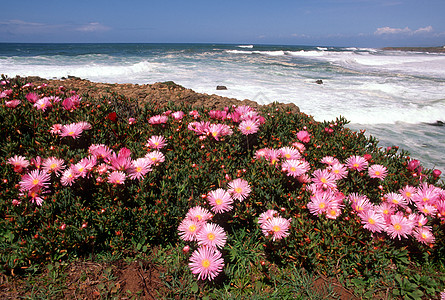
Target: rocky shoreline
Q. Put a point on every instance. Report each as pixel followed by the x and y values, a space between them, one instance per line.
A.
pixel 159 93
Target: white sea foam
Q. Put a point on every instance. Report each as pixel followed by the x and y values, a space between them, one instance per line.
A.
pixel 245 46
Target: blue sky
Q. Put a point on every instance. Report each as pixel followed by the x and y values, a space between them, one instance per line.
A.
pixel 364 23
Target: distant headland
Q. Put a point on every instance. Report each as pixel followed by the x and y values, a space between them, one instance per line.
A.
pixel 439 49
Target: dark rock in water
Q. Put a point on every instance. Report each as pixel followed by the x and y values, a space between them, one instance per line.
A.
pixel 319 81
pixel 438 123
pixel 221 87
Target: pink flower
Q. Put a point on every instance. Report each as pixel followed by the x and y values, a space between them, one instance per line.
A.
pixel 155 157
pixel 119 162
pixel 206 262
pixel 116 177
pixel 131 121
pixel 277 227
pixel 178 115
pixel 73 130
pixel 407 192
pixel 299 146
pixel 290 153
pixel 84 166
pixel 295 167
pixel 266 216
pixel 356 162
pixel 12 103
pixel 53 165
pixel 156 142
pixel 32 97
pixel 338 170
pixel 426 194
pixel 198 213
pixel 396 199
pixel 68 177
pixel 324 179
pixel 43 103
pixel 194 114
pixel 329 160
pixel 372 220
pixel 424 235
pixel 399 226
pixel 189 228
pixel 377 171
pixel 320 202
pixel 140 167
pixel 100 151
pixel 212 236
pixel 249 127
pixel 220 201
pixel 239 189
pixel 18 162
pixel 304 136
pixel 360 203
pixel 261 153
pixel 436 173
pixel 413 164
pixel 158 119
pixel 56 129
pixel 34 180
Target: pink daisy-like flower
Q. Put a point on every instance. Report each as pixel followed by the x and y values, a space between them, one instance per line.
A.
pixel 290 153
pixel 32 97
pixel 158 119
pixel 427 209
pixel 56 129
pixel 377 171
pixel 12 103
pixel 360 203
pixel 73 130
pixel 295 167
pixel 198 213
pixel 273 155
pixel 304 136
pixel 100 151
pixel 399 226
pixel 139 168
pixel 156 142
pixel 249 127
pixel 356 162
pixel 396 199
pixel 372 220
pixel 329 160
pixel 84 166
pixel 220 201
pixel 320 202
pixel 219 130
pixel 424 235
pixel 155 157
pixel 53 165
pixel 18 162
pixel 385 209
pixel 212 236
pixel 267 215
pixel 35 180
pixel 119 162
pixel 116 177
pixel 339 170
pixel 43 103
pixel 277 227
pixel 426 194
pixel 239 189
pixel 206 262
pixel 68 177
pixel 35 197
pixel 333 212
pixel 178 115
pixel 189 228
pixel 299 146
pixel 407 192
pixel 324 179
pixel 261 153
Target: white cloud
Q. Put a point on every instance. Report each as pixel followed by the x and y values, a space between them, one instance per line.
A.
pixel 400 31
pixel 92 27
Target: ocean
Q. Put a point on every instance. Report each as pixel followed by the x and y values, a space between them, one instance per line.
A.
pixel 397 97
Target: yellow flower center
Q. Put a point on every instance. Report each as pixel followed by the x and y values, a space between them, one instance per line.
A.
pixel 71 133
pixel 397 227
pixel 293 169
pixel 287 155
pixel 423 236
pixel 276 228
pixel 53 166
pixel 323 180
pixel 248 128
pixel 138 169
pixel 425 199
pixel 371 221
pixel 332 212
pixel 214 133
pixel 377 173
pixel 218 201
pixel 321 205
pixel 35 181
pixel 210 236
pixel 355 165
pixel 238 190
pixel 199 217
pixel 192 228
pixel 153 158
pixel 205 263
